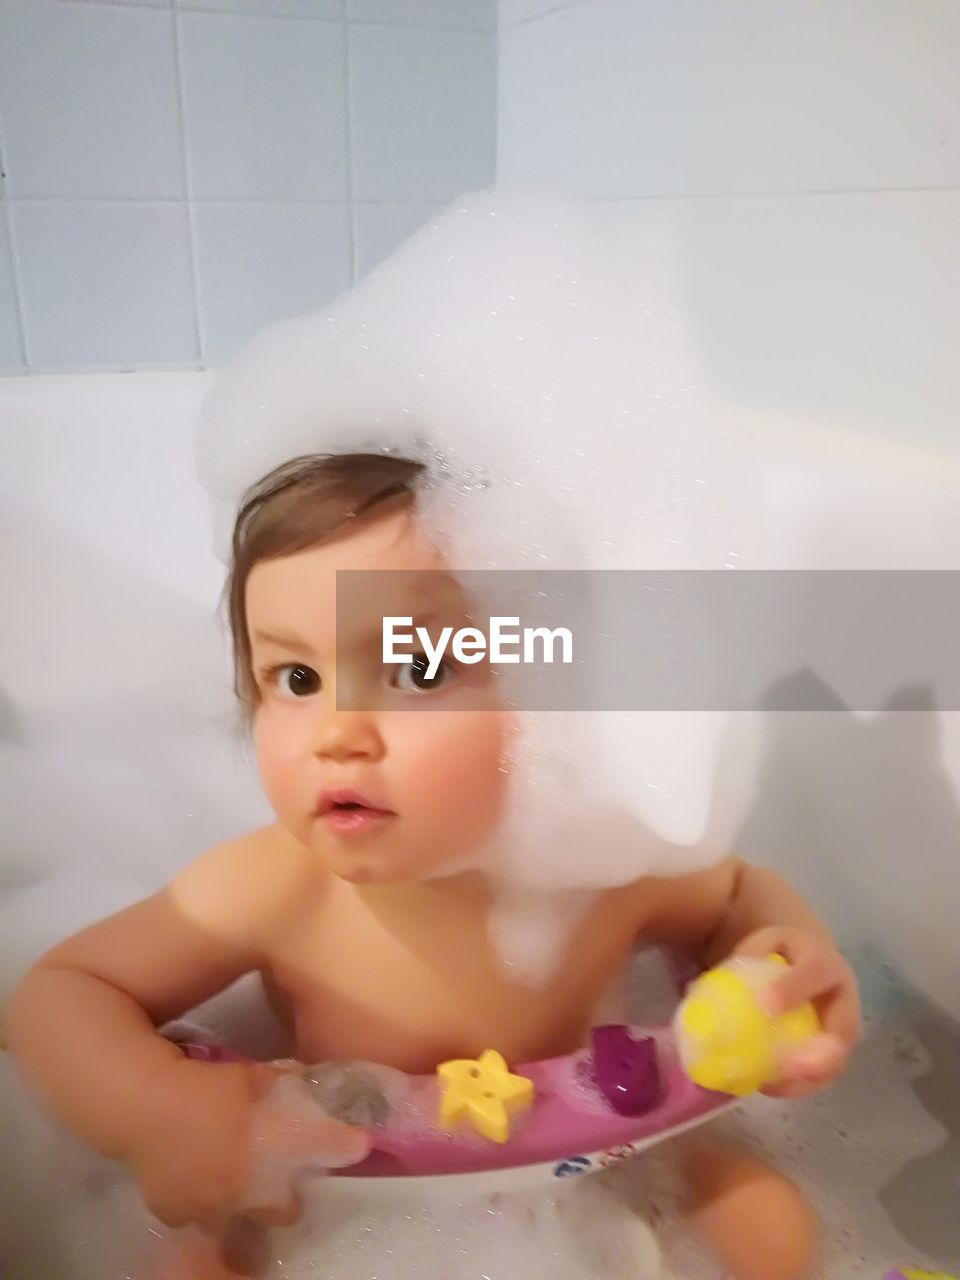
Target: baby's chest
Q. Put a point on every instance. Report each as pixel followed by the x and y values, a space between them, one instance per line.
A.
pixel 413 998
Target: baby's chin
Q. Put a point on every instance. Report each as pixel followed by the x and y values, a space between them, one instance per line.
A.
pixel 368 867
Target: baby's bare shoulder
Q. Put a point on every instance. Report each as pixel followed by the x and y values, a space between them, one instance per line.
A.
pixel 247 883
pixel 685 908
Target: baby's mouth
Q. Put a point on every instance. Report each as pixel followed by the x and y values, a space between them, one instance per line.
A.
pixel 349 812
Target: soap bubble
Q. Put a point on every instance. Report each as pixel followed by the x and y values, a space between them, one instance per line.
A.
pixel 572 1228
pixel 560 415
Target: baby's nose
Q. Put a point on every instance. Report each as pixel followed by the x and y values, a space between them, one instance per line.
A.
pixel 346 735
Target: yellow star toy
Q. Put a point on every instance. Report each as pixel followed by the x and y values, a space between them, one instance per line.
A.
pixel 483 1091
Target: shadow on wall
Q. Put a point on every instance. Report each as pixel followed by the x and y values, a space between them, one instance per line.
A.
pixel 11 730
pixel 921 1199
pixel 862 817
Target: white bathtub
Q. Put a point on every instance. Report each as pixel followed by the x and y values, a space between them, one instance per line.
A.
pixel 119 759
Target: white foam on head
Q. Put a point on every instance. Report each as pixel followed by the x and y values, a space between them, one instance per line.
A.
pixel 554 398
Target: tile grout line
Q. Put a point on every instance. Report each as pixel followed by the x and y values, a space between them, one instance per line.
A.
pixel 811 193
pixel 14 248
pixel 192 260
pixel 427 202
pixel 13 251
pixel 538 17
pixel 348 127
pixel 73 370
pixel 186 7
pixel 238 200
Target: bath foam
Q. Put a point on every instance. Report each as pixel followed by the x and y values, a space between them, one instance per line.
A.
pixel 573 1231
pixel 86 1223
pixel 555 399
pixel 842 1148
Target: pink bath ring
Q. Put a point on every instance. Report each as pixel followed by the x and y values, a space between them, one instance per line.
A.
pixel 576 1123
pixel 589 1109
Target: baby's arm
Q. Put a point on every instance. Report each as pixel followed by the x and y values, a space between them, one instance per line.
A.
pixel 82 1024
pixel 738 909
pixel 82 1028
pixel 711 912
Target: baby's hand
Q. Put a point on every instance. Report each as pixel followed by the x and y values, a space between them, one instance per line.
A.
pixel 211 1131
pixel 818 973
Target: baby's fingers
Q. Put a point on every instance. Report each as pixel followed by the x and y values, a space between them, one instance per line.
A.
pixel 813 974
pixel 791 1090
pixel 810 1067
pixel 290 1125
pixel 816 967
pixel 841 1015
pixel 819 1060
pixel 291 1137
pixel 243 1244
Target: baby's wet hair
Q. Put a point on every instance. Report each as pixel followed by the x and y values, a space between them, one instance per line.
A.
pixel 295 507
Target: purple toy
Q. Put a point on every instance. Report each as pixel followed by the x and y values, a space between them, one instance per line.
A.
pixel 625 1070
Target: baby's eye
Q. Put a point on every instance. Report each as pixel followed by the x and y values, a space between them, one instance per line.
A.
pixel 412 676
pixel 295 680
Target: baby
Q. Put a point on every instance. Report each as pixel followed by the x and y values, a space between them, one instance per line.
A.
pixel 364 906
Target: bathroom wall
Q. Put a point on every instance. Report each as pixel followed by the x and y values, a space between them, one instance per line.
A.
pixel 795 169
pixel 178 172
pixel 806 160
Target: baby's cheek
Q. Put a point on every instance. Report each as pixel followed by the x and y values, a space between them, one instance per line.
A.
pixel 456 762
pixel 275 761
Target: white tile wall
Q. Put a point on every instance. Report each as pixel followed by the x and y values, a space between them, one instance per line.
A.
pixel 244 252
pixel 806 160
pixel 11 354
pixel 478 14
pixel 105 283
pixel 512 12
pixel 626 98
pixel 264 108
pixel 837 310
pixel 275 8
pixel 379 228
pixel 181 172
pixel 88 97
pixel 422 128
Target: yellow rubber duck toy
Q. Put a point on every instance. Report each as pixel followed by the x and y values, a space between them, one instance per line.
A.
pixel 727 1043
pixel 913 1273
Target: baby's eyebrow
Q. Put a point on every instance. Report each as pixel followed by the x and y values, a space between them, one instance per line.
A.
pixel 370 637
pixel 372 634
pixel 284 642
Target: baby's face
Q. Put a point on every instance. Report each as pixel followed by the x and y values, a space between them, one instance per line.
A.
pixel 410 789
